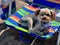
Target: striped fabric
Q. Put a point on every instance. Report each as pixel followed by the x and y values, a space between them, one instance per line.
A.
pixel 13 20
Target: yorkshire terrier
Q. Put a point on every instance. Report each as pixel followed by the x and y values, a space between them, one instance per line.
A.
pixel 40 21
pixel 44 21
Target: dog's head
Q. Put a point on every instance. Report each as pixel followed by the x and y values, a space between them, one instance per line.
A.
pixel 46 15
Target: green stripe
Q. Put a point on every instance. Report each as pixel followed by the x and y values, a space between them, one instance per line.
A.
pixel 24 11
pixel 54 23
pixel 20 13
pixel 17 27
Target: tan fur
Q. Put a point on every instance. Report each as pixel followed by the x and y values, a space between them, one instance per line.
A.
pixel 53 14
pixel 31 22
pixel 48 11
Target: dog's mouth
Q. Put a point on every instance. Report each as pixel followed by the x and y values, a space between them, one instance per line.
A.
pixel 45 22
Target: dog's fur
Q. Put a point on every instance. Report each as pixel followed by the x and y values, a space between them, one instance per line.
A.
pixel 39 19
pixel 45 17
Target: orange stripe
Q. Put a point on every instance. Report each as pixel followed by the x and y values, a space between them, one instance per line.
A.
pixel 15 18
pixel 31 8
pixel 51 30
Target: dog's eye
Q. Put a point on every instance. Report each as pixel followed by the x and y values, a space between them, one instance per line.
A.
pixel 47 14
pixel 42 14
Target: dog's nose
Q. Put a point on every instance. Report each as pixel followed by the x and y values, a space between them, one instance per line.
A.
pixel 44 18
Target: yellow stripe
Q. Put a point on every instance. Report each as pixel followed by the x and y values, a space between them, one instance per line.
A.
pixel 20 13
pixel 25 12
pixel 19 28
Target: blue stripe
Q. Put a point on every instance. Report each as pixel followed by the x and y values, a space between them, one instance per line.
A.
pixel 55 27
pixel 30 11
pixel 18 15
pixel 12 21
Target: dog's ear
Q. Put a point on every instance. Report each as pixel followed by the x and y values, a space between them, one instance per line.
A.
pixel 37 11
pixel 53 14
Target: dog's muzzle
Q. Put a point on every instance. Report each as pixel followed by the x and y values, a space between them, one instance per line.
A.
pixel 45 19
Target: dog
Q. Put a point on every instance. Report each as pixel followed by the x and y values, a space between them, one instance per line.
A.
pixel 44 21
pixel 40 21
pixel 29 20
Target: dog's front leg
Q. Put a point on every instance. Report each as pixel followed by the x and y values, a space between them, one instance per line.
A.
pixel 30 26
pixel 30 23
